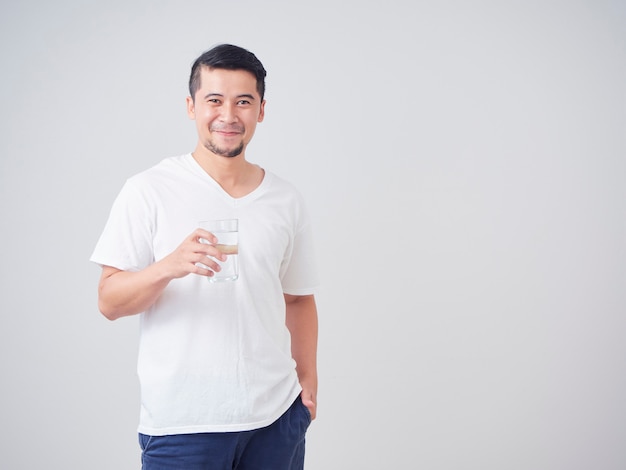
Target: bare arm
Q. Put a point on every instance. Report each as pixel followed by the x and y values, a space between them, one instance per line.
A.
pixel 123 293
pixel 302 324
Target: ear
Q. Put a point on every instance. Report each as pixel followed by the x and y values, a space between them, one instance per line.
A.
pixel 191 108
pixel 261 112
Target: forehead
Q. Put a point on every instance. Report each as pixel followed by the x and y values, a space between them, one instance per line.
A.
pixel 225 81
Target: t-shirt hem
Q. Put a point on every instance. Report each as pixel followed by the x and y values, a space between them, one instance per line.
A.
pixel 222 428
pixel 113 263
pixel 304 291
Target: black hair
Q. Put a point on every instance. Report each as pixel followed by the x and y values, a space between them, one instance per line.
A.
pixel 229 57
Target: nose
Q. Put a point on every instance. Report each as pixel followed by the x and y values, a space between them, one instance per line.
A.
pixel 228 113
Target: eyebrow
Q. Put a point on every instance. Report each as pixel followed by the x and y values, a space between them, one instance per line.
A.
pixel 244 95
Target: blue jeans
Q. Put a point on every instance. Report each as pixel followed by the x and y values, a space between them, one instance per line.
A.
pixel 279 446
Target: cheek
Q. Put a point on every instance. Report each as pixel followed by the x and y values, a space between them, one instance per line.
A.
pixel 204 118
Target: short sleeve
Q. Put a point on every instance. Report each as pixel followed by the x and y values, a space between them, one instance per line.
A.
pixel 300 276
pixel 126 241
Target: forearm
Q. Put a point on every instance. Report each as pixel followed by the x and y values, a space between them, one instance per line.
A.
pixel 124 293
pixel 303 325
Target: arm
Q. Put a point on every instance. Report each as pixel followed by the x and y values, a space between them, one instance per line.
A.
pixel 302 324
pixel 123 293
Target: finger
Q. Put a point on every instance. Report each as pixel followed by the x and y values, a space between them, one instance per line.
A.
pixel 200 270
pixel 312 407
pixel 208 263
pixel 310 404
pixel 212 251
pixel 203 236
pixel 208 249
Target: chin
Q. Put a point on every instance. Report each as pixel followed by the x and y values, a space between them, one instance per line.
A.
pixel 235 152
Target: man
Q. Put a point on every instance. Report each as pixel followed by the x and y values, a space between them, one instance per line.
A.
pixel 227 370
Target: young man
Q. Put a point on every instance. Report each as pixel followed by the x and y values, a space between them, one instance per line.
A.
pixel 227 370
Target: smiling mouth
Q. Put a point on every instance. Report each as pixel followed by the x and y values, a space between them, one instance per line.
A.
pixel 228 131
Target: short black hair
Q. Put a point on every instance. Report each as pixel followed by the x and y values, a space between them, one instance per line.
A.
pixel 229 57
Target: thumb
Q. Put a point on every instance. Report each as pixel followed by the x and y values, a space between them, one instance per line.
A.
pixel 310 404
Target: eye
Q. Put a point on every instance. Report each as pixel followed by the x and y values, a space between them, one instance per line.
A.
pixel 243 102
pixel 213 101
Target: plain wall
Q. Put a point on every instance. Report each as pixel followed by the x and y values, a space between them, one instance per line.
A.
pixel 464 164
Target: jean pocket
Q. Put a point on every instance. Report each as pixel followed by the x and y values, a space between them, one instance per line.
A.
pixel 144 441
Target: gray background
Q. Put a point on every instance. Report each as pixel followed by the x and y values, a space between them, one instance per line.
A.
pixel 464 164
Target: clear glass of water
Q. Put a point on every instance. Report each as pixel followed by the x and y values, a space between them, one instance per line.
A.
pixel 227 233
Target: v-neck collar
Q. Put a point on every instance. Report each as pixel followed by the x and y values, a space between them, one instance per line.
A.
pixel 256 192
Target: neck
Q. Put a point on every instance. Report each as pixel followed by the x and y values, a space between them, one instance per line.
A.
pixel 235 175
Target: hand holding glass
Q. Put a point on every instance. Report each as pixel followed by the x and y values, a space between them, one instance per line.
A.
pixel 227 233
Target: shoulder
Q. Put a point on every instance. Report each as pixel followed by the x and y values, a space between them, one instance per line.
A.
pixel 167 165
pixel 288 197
pixel 167 169
pixel 278 183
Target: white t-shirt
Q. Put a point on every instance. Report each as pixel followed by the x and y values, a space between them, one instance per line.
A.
pixel 213 357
